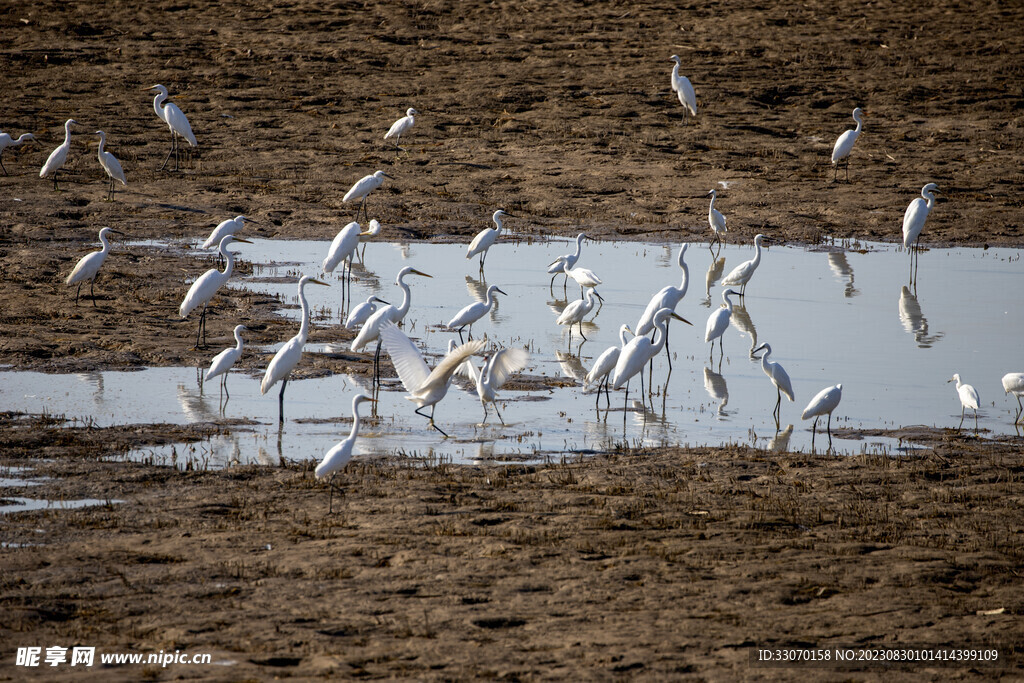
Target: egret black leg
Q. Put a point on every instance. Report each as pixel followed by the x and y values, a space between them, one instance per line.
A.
pixel 498 412
pixel 280 402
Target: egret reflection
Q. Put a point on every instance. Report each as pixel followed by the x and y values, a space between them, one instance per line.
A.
pixel 715 271
pixel 843 271
pixel 914 321
pixel 717 389
pixel 740 319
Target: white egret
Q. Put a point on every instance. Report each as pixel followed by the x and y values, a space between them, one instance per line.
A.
pixel 228 227
pixel 170 114
pixel 968 399
pixel 361 313
pixel 473 312
pixel 576 311
pixel 716 220
pixel 336 458
pixel 466 370
pixel 223 361
pixel 363 187
pixel 584 277
pixel 206 286
pixel 401 126
pixel 371 329
pixel 844 144
pixel 425 387
pixel 7 141
pixel 718 322
pixel 495 373
pixel 825 401
pixel 89 266
pixel 58 156
pixel 605 363
pixel 777 374
pixel 681 85
pixel 741 274
pixel 914 218
pixel 342 250
pixel 638 352
pixel 110 164
pixel 289 355
pixel 668 297
pixel 1013 383
pixel 486 237
pixel 558 265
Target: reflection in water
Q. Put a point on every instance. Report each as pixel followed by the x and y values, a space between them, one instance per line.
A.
pixel 914 321
pixel 195 405
pixel 96 379
pixel 717 389
pixel 740 319
pixel 572 367
pixel 477 289
pixel 366 277
pixel 714 272
pixel 780 442
pixel 843 271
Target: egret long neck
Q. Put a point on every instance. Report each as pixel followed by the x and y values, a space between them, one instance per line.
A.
pixel 659 340
pixel 579 249
pixel 757 252
pixel 67 134
pixel 103 141
pixel 229 261
pixel 622 335
pixel 686 276
pixel 238 340
pixel 355 420
pixel 497 223
pixel 859 124
pixel 406 300
pixel 104 242
pixel 304 326
pixel 158 102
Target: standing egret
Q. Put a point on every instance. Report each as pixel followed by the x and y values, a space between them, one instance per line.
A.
pixel 914 218
pixel 363 187
pixel 7 141
pixel 401 126
pixel 558 265
pixel 638 352
pixel 486 237
pixel 425 387
pixel 681 85
pixel 371 329
pixel 669 297
pixel 777 374
pixel 1013 383
pixel 110 164
pixel 495 372
pixel 170 114
pixel 742 273
pixel 825 401
pixel 89 266
pixel 58 156
pixel 844 144
pixel 342 249
pixel 222 362
pixel 583 277
pixel 336 458
pixel 359 315
pixel 716 220
pixel 576 311
pixel 605 363
pixel 718 323
pixel 289 355
pixel 473 312
pixel 228 227
pixel 206 286
pixel 968 399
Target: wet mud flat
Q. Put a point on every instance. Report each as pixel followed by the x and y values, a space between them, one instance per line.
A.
pixel 653 562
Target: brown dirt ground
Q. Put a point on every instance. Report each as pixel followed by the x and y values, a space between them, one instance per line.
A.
pixel 562 114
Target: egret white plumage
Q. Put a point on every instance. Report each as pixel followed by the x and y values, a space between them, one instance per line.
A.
pixel 777 374
pixel 825 401
pixel 371 328
pixel 426 387
pixel 558 265
pixel 342 250
pixel 89 266
pixel 110 164
pixel 914 218
pixel 289 355
pixel 363 187
pixel 473 312
pixel 1013 383
pixel 605 363
pixel 401 126
pixel 718 322
pixel 229 227
pixel 668 297
pixel 57 157
pixel 584 277
pixel 741 274
pixel 968 399
pixel 683 88
pixel 844 144
pixel 495 373
pixel 361 313
pixel 178 123
pixel 372 230
pixel 336 458
pixel 716 220
pixel 576 311
pixel 206 286
pixel 639 351
pixel 486 237
pixel 7 141
pixel 223 361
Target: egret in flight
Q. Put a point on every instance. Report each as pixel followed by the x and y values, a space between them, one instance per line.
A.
pixel 289 355
pixel 7 141
pixel 361 313
pixel 716 220
pixel 473 312
pixel 206 286
pixel 682 87
pixel 605 363
pixel 968 399
pixel 844 144
pixel 486 237
pixel 224 228
pixel 58 156
pixel 1013 383
pixel 558 265
pixel 170 114
pixel 914 218
pixel 495 373
pixel 741 274
pixel 401 126
pixel 668 297
pixel 336 458
pixel 426 387
pixel 576 311
pixel 825 401
pixel 363 187
pixel 371 329
pixel 638 352
pixel 718 323
pixel 110 164
pixel 223 361
pixel 89 266
pixel 777 374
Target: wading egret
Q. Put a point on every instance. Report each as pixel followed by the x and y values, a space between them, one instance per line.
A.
pixel 336 458
pixel 110 164
pixel 681 85
pixel 558 265
pixel 361 313
pixel 222 362
pixel 968 399
pixel 825 401
pixel 844 144
pixel 363 187
pixel 777 374
pixel 1013 383
pixel 342 250
pixel 7 141
pixel 914 218
pixel 669 297
pixel 89 266
pixel 576 311
pixel 371 329
pixel 716 220
pixel 583 277
pixel 741 274
pixel 228 227
pixel 58 156
pixel 495 372
pixel 206 286
pixel 638 352
pixel 170 114
pixel 601 371
pixel 425 387
pixel 473 312
pixel 486 237
pixel 289 355
pixel 718 323
pixel 401 126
